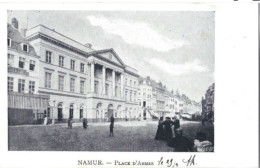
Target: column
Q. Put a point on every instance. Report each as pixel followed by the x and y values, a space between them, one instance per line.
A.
pixel 122 85
pixel 104 79
pixel 92 82
pixel 114 82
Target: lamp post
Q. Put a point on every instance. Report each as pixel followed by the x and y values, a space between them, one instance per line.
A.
pixel 53 121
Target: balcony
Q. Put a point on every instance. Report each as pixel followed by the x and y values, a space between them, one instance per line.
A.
pixel 96 95
pixel 17 71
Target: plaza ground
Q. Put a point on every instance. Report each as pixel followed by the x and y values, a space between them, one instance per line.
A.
pixel 128 136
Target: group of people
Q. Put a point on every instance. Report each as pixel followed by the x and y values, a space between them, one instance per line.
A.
pixel 179 142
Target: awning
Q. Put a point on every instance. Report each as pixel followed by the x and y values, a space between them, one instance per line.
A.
pixel 153 113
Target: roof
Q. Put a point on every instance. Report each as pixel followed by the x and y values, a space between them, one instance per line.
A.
pixel 17 39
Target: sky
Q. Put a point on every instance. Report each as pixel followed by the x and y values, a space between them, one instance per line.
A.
pixel 176 48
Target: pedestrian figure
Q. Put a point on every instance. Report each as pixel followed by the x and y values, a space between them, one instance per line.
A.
pixel 111 125
pixel 70 123
pixel 160 134
pixel 201 144
pixel 45 122
pixel 176 124
pixel 180 143
pixel 85 123
pixel 168 128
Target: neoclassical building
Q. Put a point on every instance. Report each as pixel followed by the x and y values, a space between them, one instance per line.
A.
pixel 81 81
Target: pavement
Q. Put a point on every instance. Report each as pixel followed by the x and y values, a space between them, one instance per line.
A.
pixel 120 123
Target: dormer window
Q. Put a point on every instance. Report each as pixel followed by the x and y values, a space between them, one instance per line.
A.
pixel 25 48
pixel 9 42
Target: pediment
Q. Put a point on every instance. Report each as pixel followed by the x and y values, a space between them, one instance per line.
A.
pixel 109 55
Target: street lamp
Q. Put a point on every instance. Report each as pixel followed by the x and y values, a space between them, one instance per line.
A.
pixel 53 121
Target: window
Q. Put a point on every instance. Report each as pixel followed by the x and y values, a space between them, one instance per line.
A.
pixel 10 84
pixel 82 67
pixel 125 81
pixel 116 88
pixel 134 96
pixel 21 62
pixel 25 48
pixel 72 84
pixel 47 79
pixel 82 86
pixel 107 88
pixel 61 61
pixel 96 87
pixel 134 83
pixel 72 64
pixel 81 112
pixel 21 84
pixel 126 95
pixel 32 65
pixel 130 96
pixel 61 82
pixel 9 42
pixel 10 59
pixel 48 57
pixel 31 87
pixel 130 82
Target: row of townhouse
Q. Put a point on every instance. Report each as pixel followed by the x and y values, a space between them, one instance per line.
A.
pixel 74 80
pixel 156 100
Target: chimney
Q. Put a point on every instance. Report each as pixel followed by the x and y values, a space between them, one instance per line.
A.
pixel 88 45
pixel 15 23
pixel 23 32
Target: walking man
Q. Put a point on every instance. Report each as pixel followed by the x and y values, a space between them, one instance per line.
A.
pixel 111 125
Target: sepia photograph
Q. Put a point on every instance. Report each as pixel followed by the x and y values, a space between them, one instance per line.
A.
pixel 128 81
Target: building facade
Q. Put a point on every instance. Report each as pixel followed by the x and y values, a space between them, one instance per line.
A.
pixel 156 100
pixel 207 104
pixel 23 78
pixel 83 82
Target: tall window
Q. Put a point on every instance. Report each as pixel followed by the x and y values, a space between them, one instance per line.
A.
pixel 72 64
pixel 61 82
pixel 126 95
pixel 48 57
pixel 82 67
pixel 72 84
pixel 81 112
pixel 9 42
pixel 134 96
pixel 32 65
pixel 107 88
pixel 21 62
pixel 10 59
pixel 130 96
pixel 61 61
pixel 21 84
pixel 125 81
pixel 116 88
pixel 10 84
pixel 31 87
pixel 96 87
pixel 47 80
pixel 130 82
pixel 82 88
pixel 25 48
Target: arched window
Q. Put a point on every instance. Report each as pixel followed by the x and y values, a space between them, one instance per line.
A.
pixel 71 111
pixel 81 112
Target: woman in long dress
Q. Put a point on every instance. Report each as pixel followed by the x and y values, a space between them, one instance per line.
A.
pixel 160 135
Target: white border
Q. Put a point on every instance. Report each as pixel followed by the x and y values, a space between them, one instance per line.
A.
pixel 236 74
